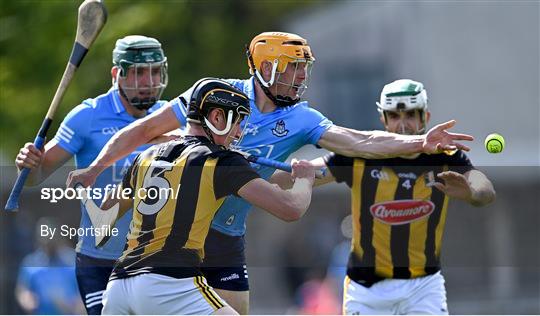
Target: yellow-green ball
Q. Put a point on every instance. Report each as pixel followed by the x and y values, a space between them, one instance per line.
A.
pixel 494 143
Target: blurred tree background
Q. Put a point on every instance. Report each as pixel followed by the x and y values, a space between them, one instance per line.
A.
pixel 200 38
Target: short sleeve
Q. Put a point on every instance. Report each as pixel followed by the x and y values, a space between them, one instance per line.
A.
pixel 27 269
pixel 73 131
pixel 158 105
pixel 316 125
pixel 459 162
pixel 179 106
pixel 340 166
pixel 237 83
pixel 23 278
pixel 232 172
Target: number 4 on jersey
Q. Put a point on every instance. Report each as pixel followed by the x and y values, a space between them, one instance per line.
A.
pixel 407 184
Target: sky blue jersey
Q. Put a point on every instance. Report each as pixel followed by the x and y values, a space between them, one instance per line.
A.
pixel 83 133
pixel 273 135
pixel 51 278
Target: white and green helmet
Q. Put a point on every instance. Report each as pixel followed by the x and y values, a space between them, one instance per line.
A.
pixel 140 51
pixel 403 95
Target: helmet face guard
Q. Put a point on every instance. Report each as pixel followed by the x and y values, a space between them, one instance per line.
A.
pixel 142 97
pixel 142 70
pixel 295 89
pixel 282 50
pixel 403 96
pixel 241 119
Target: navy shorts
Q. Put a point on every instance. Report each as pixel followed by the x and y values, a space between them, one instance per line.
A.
pixel 92 277
pixel 224 265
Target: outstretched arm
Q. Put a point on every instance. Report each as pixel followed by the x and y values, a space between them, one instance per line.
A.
pixel 125 142
pixel 380 144
pixel 473 187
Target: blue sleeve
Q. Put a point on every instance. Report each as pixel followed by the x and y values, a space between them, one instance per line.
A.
pixel 24 277
pixel 316 125
pixel 180 109
pixel 26 270
pixel 237 83
pixel 159 104
pixel 74 130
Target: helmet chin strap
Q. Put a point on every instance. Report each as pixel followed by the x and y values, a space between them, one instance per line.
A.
pixel 423 122
pixel 225 130
pixel 254 71
pixel 283 102
pixel 268 83
pixel 421 130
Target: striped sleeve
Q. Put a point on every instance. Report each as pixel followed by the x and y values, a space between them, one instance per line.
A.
pixel 74 130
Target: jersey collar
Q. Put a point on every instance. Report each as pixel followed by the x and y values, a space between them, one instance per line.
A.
pixel 116 103
pixel 249 90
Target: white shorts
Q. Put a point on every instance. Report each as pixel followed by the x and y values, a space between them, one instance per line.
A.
pixel 425 295
pixel 159 294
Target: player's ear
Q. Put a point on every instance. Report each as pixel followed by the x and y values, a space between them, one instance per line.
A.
pixel 266 69
pixel 216 116
pixel 381 118
pixel 428 116
pixel 114 72
pixel 212 116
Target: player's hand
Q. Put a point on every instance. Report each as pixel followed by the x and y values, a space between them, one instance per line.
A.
pixel 455 185
pixel 86 177
pixel 302 169
pixel 29 157
pixel 438 139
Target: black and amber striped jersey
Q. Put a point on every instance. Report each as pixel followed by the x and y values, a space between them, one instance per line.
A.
pixel 398 217
pixel 177 187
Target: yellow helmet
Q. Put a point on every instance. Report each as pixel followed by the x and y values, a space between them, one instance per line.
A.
pixel 279 48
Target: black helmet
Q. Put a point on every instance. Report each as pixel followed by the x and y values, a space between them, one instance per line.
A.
pixel 210 93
